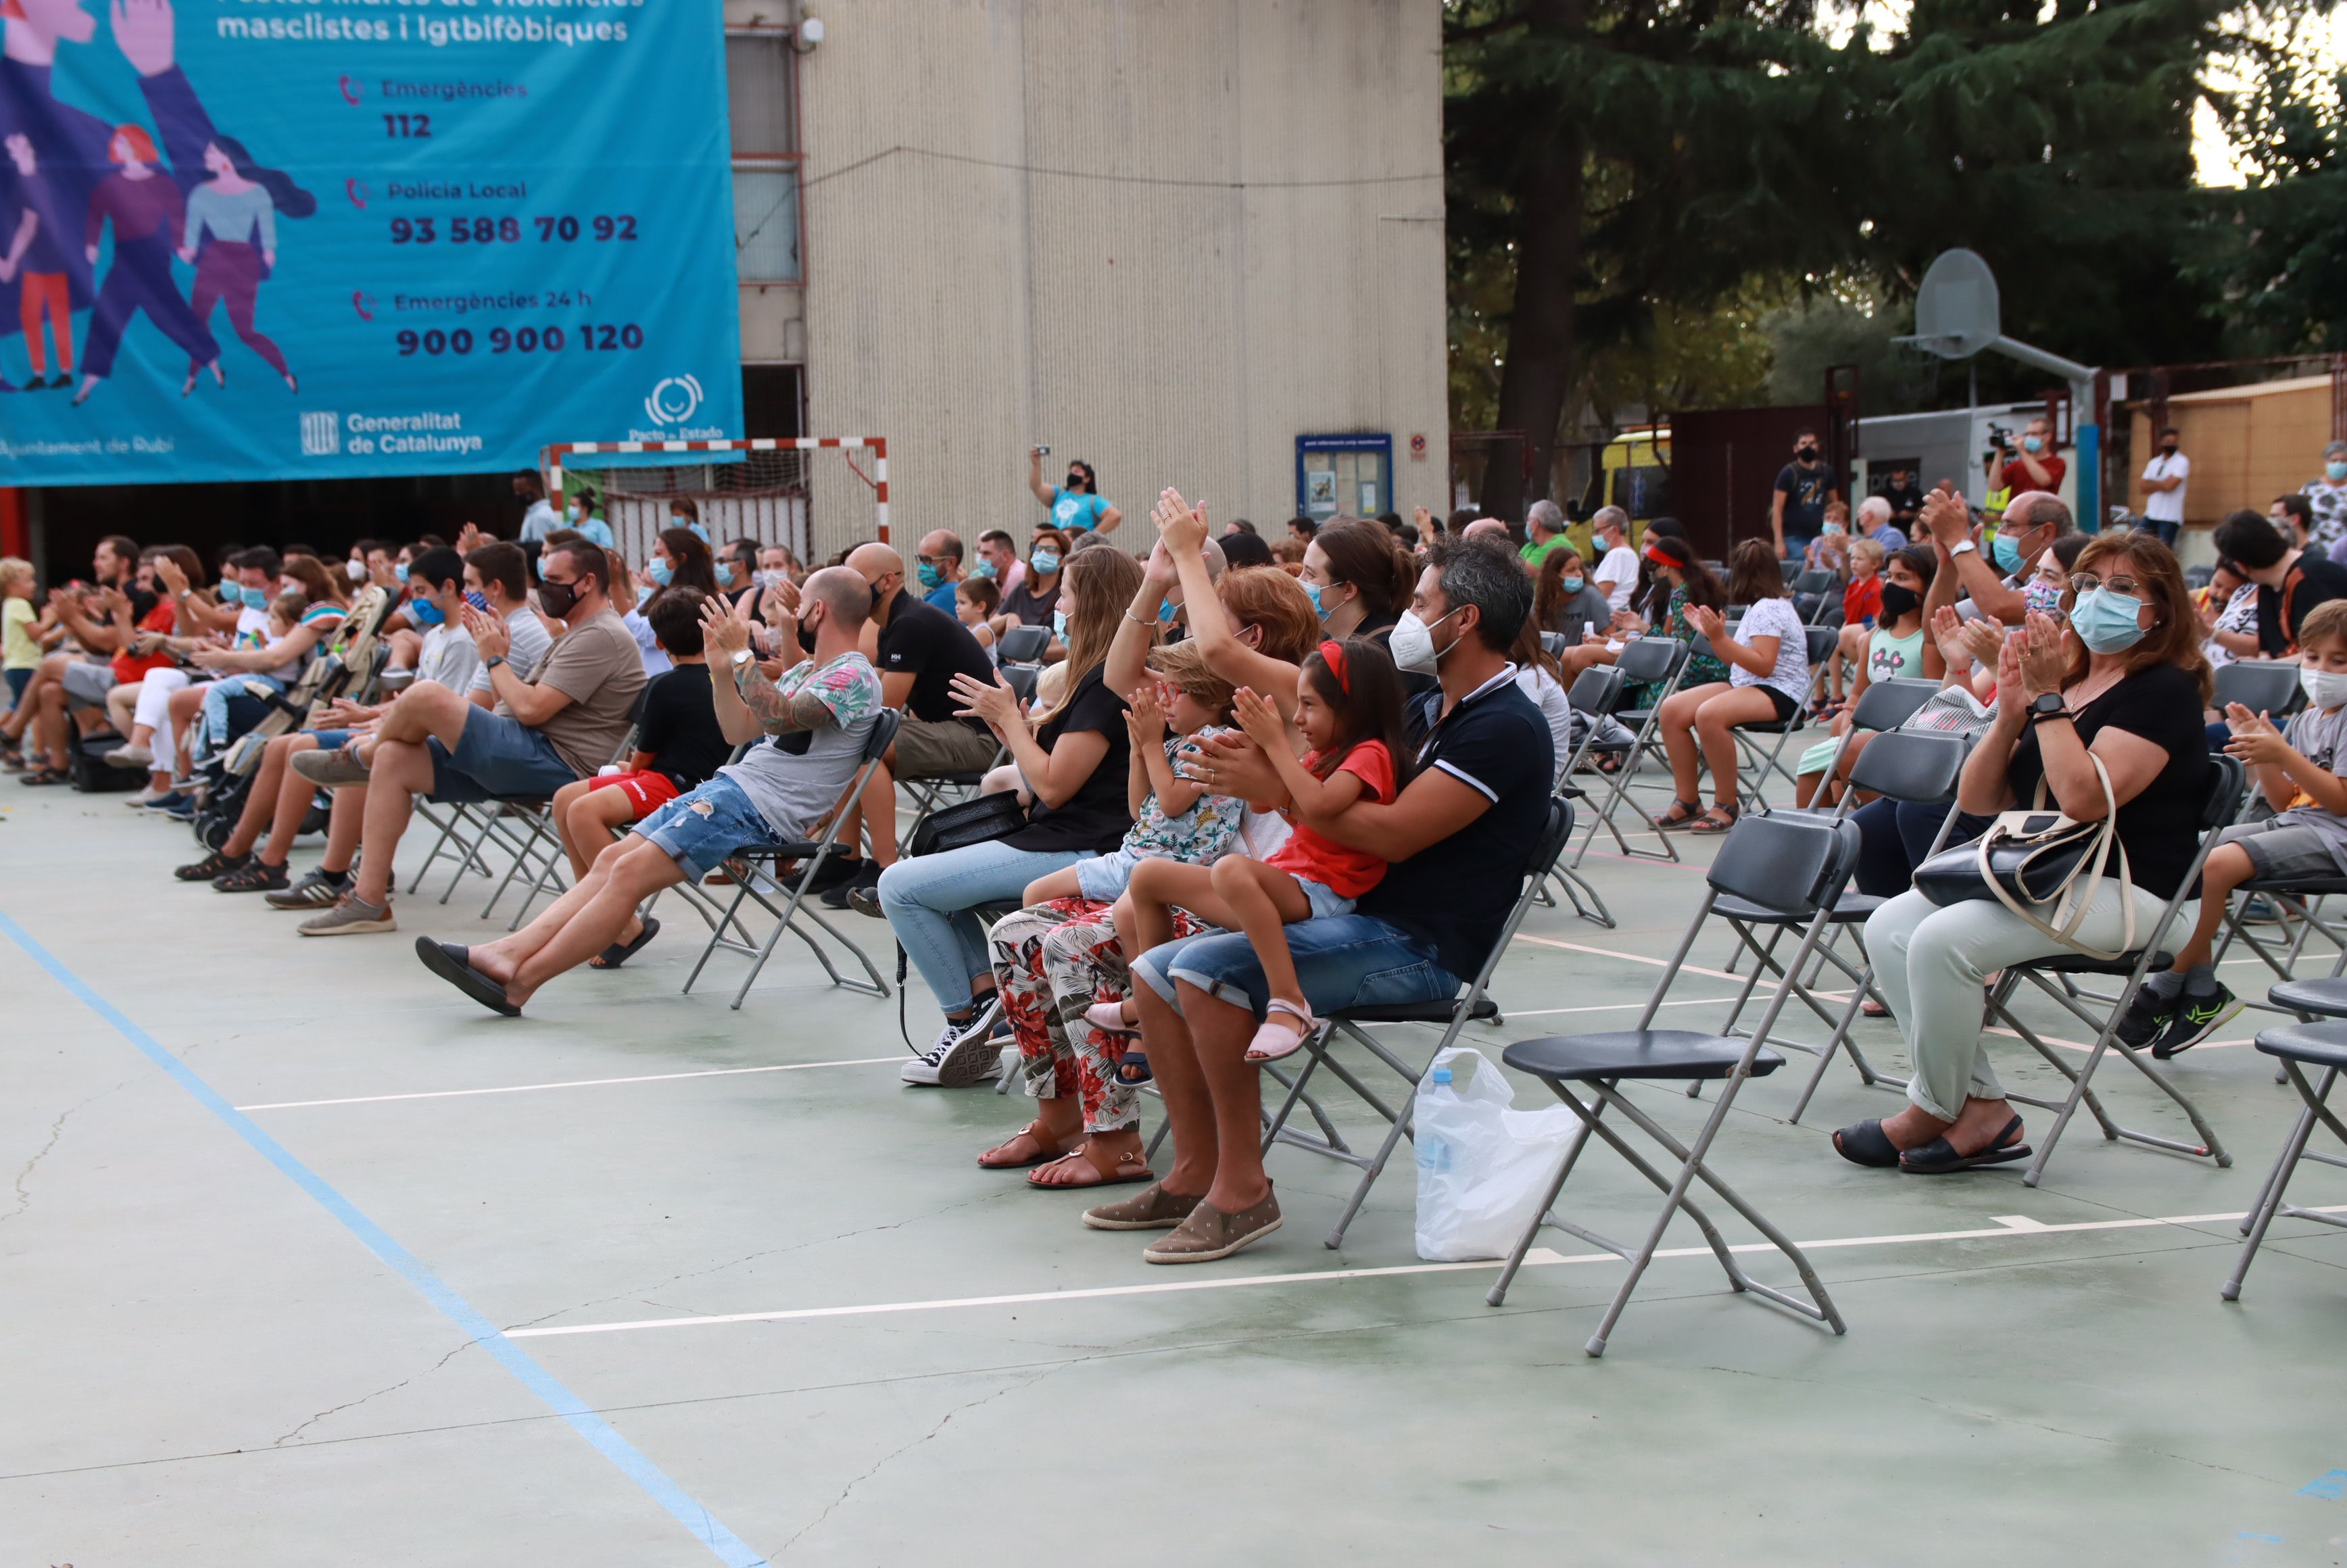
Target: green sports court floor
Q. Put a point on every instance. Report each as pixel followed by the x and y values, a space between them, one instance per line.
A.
pixel 305 1260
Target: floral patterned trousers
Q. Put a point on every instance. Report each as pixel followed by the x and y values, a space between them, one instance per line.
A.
pixel 1051 962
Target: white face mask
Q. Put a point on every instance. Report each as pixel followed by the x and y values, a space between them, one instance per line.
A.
pixel 2326 689
pixel 1411 642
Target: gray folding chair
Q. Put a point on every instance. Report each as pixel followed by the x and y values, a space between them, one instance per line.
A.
pixel 1553 643
pixel 2260 685
pixel 1025 644
pixel 1449 1016
pixel 2051 977
pixel 757 877
pixel 2297 1047
pixel 1795 867
pixel 1882 707
pixel 1661 664
pixel 1814 586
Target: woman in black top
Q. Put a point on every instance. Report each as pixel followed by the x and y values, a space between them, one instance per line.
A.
pixel 1036 600
pixel 2124 685
pixel 1073 761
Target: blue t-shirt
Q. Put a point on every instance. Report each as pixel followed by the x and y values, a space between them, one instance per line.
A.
pixel 595 530
pixel 1075 511
pixel 942 596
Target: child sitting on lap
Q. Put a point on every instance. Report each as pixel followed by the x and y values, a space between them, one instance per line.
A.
pixel 1348 710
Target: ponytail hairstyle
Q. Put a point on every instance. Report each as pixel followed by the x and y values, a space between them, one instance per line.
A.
pixel 1753 573
pixel 1365 555
pixel 689 562
pixel 1356 681
pixel 290 200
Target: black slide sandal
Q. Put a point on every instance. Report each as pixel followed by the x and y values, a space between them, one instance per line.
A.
pixel 1939 1157
pixel 1863 1144
pixel 618 953
pixel 1133 1067
pixel 449 961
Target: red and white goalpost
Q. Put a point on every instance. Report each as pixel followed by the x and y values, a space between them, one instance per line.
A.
pixel 805 492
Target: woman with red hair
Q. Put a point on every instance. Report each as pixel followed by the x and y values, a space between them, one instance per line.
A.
pixel 148 213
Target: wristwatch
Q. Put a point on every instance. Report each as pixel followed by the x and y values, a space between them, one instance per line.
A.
pixel 742 656
pixel 1962 547
pixel 493 660
pixel 2048 706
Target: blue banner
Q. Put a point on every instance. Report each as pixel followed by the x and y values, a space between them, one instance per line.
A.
pixel 320 239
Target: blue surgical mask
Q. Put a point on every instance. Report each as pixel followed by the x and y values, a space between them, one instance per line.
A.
pixel 663 571
pixel 985 568
pixel 1312 592
pixel 1835 529
pixel 1046 562
pixel 2033 444
pixel 258 598
pixel 725 574
pixel 399 571
pixel 1572 584
pixel 1059 624
pixel 2043 597
pixel 2007 553
pixel 478 600
pixel 1167 611
pixel 2106 621
pixel 644 592
pixel 2337 471
pixel 932 576
pixel 424 612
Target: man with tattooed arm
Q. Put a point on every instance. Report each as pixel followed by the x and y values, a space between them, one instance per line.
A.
pixel 815 720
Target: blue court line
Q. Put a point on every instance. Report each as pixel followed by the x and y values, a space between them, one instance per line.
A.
pixel 631 1462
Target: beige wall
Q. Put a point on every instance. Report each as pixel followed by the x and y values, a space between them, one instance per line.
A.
pixel 2247 445
pixel 1167 236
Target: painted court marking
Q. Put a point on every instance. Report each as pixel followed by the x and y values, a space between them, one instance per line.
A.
pixel 624 1455
pixel 573 1083
pixel 1540 1257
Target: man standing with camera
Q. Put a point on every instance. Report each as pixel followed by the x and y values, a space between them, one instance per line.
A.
pixel 2029 466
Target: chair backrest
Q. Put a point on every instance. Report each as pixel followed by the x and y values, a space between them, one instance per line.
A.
pixel 2226 782
pixel 1597 691
pixel 1821 639
pixel 1553 643
pixel 1790 568
pixel 1025 644
pixel 1812 581
pixel 1650 659
pixel 1792 864
pixel 1547 847
pixel 1887 704
pixel 1021 678
pixel 1831 613
pixel 2258 685
pixel 883 735
pixel 1918 766
pixel 2198 576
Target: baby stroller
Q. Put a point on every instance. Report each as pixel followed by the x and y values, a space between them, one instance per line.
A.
pixel 350 661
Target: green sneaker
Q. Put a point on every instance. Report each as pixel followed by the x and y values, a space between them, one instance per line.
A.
pixel 2197 1018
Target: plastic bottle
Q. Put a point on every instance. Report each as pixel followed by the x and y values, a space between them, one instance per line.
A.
pixel 1433 1154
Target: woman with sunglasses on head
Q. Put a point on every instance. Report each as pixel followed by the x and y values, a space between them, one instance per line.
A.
pixel 2121 686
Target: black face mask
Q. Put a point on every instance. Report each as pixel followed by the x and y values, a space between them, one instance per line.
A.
pixel 557 598
pixel 2167 448
pixel 1806 454
pixel 1075 482
pixel 806 637
pixel 1898 601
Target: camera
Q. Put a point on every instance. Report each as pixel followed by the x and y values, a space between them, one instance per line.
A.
pixel 1999 439
pixel 1042 451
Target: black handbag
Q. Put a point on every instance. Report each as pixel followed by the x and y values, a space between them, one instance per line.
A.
pixel 2039 864
pixel 979 820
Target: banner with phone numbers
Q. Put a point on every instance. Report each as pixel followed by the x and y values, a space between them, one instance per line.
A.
pixel 324 238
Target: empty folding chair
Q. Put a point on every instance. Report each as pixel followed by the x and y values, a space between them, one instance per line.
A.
pixel 2297 1047
pixel 1025 644
pixel 1795 866
pixel 1449 1016
pixel 2051 977
pixel 1810 590
pixel 1660 663
pixel 1553 643
pixel 757 878
pixel 2260 685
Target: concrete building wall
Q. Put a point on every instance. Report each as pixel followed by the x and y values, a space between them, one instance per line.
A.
pixel 1166 235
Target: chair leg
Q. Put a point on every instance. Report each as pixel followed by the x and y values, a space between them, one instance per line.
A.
pixel 2270 1200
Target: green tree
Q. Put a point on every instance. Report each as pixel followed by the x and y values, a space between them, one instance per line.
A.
pixel 2280 246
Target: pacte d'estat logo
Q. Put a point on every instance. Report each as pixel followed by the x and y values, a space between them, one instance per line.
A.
pixel 674 401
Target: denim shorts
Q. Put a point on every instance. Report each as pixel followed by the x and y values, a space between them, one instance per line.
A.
pixel 1104 877
pixel 700 828
pixel 331 740
pixel 497 758
pixel 1325 901
pixel 1351 960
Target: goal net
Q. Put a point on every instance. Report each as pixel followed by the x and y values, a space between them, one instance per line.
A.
pixel 819 495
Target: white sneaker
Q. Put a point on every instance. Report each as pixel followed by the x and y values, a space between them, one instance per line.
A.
pixel 962 1057
pixel 145 798
pixel 129 756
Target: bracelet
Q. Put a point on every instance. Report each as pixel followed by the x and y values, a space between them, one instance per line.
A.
pixel 1139 620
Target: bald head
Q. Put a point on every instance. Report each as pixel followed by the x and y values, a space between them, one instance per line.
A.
pixel 1486 528
pixel 884 570
pixel 842 593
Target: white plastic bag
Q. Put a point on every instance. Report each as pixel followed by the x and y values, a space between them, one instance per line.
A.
pixel 1483 1164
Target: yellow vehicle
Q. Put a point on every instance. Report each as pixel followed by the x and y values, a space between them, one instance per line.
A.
pixel 1634 472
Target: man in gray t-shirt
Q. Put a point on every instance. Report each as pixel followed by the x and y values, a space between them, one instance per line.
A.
pixel 812 728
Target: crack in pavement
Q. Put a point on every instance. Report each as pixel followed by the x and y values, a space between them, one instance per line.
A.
pixel 895 1454
pixel 56 1131
pixel 354 1404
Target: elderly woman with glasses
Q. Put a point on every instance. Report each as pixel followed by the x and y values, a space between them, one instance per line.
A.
pixel 2122 685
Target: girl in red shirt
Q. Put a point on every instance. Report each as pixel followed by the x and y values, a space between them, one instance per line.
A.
pixel 1348 711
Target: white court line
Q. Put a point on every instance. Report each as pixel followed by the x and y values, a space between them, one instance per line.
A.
pixel 2005 1225
pixel 574 1083
pixel 1628 957
pixel 1614 1007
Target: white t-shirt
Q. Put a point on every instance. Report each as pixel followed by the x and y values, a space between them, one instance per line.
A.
pixel 1620 567
pixel 1548 696
pixel 2168 506
pixel 1776 618
pixel 656 658
pixel 449 657
pixel 530 644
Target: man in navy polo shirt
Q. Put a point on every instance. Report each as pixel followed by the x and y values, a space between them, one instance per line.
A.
pixel 1455 838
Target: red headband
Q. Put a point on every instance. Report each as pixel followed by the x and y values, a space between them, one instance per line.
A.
pixel 1333 654
pixel 1661 556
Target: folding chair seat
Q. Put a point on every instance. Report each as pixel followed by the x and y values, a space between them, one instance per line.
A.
pixel 1660 663
pixel 1450 1016
pixel 1025 645
pixel 1553 644
pixel 2216 810
pixel 2301 901
pixel 1793 867
pixel 757 877
pixel 2297 1048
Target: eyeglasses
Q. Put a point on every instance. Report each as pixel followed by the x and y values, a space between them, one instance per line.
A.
pixel 2087 582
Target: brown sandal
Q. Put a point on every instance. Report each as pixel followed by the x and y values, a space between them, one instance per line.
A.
pixel 1683 814
pixel 1043 1154
pixel 1131 1166
pixel 1718 820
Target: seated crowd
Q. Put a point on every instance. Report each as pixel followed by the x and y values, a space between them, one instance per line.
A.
pixel 1257 782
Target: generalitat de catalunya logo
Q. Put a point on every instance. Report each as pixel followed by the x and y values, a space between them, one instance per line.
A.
pixel 674 400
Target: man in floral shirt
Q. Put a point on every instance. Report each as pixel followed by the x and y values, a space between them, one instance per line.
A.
pixel 2329 494
pixel 811 725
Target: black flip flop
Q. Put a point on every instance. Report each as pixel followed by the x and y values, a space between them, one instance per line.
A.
pixel 1939 1157
pixel 452 964
pixel 1864 1143
pixel 1133 1067
pixel 618 953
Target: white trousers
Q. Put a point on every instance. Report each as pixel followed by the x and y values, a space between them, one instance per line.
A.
pixel 155 709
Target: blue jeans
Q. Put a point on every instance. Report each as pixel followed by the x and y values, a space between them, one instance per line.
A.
pixel 699 829
pixel 928 901
pixel 497 757
pixel 1350 961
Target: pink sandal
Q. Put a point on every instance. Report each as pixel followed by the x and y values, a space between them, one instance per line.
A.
pixel 1270 1043
pixel 1108 1019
